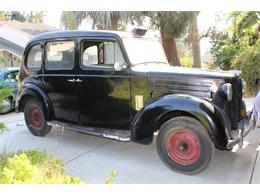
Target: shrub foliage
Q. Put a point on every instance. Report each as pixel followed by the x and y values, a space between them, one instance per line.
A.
pixel 237 47
pixel 248 61
pixel 33 167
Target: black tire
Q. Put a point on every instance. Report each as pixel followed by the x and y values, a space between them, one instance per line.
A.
pixel 183 144
pixel 6 106
pixel 34 118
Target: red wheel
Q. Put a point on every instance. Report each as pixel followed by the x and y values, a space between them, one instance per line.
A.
pixel 184 145
pixel 34 118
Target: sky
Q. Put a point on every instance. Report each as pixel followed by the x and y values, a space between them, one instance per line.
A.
pixel 206 19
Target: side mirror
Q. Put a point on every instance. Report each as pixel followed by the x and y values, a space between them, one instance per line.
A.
pixel 119 67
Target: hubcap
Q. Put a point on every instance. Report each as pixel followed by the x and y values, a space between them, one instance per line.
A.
pixel 183 147
pixel 35 117
pixel 5 105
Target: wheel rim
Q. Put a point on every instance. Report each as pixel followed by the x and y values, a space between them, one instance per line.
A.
pixel 183 147
pixel 5 105
pixel 35 117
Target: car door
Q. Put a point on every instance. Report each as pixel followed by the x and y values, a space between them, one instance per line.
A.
pixel 59 78
pixel 103 93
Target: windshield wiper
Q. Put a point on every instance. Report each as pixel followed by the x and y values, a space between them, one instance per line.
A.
pixel 151 62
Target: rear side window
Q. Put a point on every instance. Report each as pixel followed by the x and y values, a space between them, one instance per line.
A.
pixel 34 58
pixel 60 55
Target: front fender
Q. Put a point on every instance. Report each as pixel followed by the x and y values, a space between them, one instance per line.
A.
pixel 147 119
pixel 32 90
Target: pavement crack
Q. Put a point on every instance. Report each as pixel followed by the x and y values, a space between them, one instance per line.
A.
pixel 80 155
pixel 253 170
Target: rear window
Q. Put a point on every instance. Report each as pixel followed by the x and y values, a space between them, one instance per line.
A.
pixel 34 57
pixel 60 55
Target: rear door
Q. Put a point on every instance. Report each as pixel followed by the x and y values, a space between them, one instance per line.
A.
pixel 59 78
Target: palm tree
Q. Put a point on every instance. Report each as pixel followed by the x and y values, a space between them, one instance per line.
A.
pixel 102 20
pixel 71 19
pixel 109 20
pixel 171 25
pixel 195 41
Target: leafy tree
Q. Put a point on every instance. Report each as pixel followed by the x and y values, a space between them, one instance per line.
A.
pixel 15 15
pixel 248 61
pixel 223 48
pixel 34 17
pixel 70 20
pixel 243 31
pixel 238 46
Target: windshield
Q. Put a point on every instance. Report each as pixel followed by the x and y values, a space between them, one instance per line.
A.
pixel 142 50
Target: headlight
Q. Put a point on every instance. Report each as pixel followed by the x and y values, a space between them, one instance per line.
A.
pixel 226 91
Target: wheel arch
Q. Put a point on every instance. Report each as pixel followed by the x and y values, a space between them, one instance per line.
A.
pixel 29 91
pixel 150 118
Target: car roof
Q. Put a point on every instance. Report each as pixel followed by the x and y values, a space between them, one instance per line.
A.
pixel 91 33
pixel 77 33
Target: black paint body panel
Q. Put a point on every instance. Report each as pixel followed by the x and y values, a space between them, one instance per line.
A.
pixel 107 98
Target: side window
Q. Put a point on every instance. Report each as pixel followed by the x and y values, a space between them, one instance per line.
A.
pixel 34 57
pixel 102 54
pixel 90 55
pixel 60 55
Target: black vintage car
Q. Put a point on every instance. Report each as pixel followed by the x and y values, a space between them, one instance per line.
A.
pixel 119 85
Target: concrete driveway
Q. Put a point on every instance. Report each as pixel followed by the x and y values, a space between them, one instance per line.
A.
pixel 92 158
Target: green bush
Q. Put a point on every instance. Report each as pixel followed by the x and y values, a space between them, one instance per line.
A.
pixel 2 127
pixel 33 167
pixel 186 60
pixel 248 61
pixel 110 179
pixel 5 91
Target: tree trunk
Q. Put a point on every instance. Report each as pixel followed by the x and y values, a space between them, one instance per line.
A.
pixel 114 21
pixel 195 43
pixel 170 49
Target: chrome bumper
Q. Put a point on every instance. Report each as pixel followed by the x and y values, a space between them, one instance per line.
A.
pixel 244 127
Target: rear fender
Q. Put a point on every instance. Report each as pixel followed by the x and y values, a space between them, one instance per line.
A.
pixel 30 90
pixel 149 118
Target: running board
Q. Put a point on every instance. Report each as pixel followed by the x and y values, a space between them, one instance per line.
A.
pixel 120 135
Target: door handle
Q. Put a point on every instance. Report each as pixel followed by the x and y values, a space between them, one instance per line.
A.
pixel 71 80
pixel 79 81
